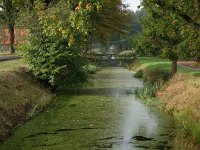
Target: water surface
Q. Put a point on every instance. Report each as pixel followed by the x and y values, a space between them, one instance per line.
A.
pixel 104 116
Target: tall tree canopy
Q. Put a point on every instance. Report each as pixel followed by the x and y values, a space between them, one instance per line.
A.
pixel 60 33
pixel 169 28
pixel 186 10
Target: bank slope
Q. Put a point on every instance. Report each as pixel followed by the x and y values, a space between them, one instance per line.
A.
pixel 20 96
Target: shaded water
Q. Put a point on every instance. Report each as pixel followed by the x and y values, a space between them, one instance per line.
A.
pixel 104 116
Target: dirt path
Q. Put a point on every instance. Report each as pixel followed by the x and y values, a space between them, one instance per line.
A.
pixel 4 58
pixel 187 64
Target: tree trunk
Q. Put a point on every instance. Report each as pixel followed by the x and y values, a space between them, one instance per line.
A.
pixel 120 42
pixel 12 38
pixel 174 67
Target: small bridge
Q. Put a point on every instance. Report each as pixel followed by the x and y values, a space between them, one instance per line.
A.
pixel 109 59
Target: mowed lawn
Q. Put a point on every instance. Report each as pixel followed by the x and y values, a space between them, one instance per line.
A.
pixel 155 62
pixel 11 65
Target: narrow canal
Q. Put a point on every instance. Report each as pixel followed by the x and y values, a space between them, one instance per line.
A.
pixel 104 116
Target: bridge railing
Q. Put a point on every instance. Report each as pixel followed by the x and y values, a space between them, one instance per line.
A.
pixel 108 57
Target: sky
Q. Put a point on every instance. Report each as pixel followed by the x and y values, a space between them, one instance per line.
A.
pixel 133 4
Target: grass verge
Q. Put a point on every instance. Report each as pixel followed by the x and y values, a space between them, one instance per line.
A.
pixel 21 96
pixel 155 62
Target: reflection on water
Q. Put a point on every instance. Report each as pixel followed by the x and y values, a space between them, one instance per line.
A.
pixel 140 127
pixel 137 122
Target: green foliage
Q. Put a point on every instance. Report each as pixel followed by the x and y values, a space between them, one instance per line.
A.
pixel 91 68
pixel 148 91
pixel 62 32
pixel 139 74
pixel 10 11
pixel 55 46
pixel 127 56
pixel 58 65
pixel 156 62
pixel 95 51
pixel 180 10
pixel 190 124
pixel 21 48
pixel 152 76
pixel 169 29
pixel 154 79
pixel 127 53
pixel 145 46
pixel 104 25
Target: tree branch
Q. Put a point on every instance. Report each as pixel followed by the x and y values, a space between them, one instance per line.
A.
pixel 197 5
pixel 185 17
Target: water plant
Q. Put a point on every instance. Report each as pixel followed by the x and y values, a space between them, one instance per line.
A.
pixel 139 74
pixel 190 124
pixel 154 80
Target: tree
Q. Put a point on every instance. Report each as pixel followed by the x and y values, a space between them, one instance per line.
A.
pixel 171 29
pixel 9 13
pixel 62 30
pixel 113 18
pixel 57 37
pixel 188 11
pixel 161 35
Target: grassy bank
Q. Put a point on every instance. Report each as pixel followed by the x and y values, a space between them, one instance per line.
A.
pixel 21 96
pixel 155 62
pixel 180 95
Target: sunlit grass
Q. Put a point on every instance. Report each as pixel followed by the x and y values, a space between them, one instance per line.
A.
pixel 189 122
pixel 11 65
pixel 155 62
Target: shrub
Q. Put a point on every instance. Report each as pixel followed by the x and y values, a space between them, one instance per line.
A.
pixel 55 47
pixel 154 80
pixel 21 48
pixel 91 68
pixel 151 76
pixel 95 51
pixel 149 90
pixel 139 74
pixel 127 54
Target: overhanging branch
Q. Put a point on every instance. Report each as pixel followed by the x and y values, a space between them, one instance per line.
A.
pixel 185 17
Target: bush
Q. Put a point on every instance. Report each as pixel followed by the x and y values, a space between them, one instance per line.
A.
pixel 128 54
pixel 91 68
pixel 21 48
pixel 154 80
pixel 151 76
pixel 139 74
pixel 56 44
pixel 149 90
pixel 95 51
